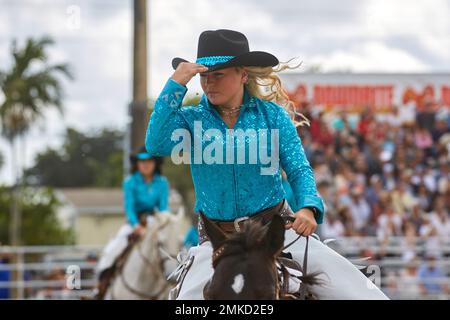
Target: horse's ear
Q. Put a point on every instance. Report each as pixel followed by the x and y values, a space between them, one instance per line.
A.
pixel 214 233
pixel 274 238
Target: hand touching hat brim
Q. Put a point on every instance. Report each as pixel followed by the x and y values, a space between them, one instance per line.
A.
pixel 249 59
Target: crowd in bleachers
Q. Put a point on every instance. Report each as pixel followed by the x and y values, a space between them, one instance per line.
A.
pixel 384 175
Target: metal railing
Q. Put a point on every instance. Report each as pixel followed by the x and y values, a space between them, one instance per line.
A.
pixel 50 258
pixel 61 258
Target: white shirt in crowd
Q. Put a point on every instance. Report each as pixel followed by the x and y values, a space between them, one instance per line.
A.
pixel 442 228
pixel 360 211
pixel 332 230
pixel 432 240
pixel 407 112
pixel 389 225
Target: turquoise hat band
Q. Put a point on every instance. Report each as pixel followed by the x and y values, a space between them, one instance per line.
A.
pixel 143 156
pixel 213 60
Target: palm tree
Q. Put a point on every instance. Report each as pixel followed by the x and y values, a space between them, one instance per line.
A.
pixel 30 87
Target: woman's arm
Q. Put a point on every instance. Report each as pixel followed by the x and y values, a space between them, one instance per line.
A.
pixel 165 119
pixel 129 202
pixel 168 114
pixel 163 201
pixel 298 169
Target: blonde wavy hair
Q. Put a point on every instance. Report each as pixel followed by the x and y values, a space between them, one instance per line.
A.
pixel 265 84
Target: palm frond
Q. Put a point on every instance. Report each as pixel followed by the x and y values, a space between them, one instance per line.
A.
pixel 28 92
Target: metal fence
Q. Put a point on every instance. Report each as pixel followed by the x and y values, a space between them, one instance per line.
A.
pixel 68 272
pixel 47 272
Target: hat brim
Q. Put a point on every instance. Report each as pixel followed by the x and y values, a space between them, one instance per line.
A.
pixel 140 156
pixel 143 156
pixel 249 59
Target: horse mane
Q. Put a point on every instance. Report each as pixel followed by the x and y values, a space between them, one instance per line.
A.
pixel 251 240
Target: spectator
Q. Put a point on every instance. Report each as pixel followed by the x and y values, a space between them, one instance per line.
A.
pixel 409 241
pixel 389 224
pixel 439 218
pixel 347 220
pixel 407 113
pixel 373 194
pixel 408 284
pixel 441 126
pixel 389 181
pixel 423 198
pixel 430 276
pixel 342 122
pixel 365 125
pixel 359 209
pixel 429 234
pixel 423 139
pixel 393 118
pixel 426 117
pixel 402 199
pixel 416 217
pixel 332 228
pixel 320 132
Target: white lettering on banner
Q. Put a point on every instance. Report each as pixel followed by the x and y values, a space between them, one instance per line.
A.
pixel 356 91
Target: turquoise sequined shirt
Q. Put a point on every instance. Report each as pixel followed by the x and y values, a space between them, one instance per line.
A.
pixel 229 190
pixel 141 196
pixel 290 195
pixel 191 237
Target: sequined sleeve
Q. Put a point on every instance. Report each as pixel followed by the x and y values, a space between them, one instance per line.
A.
pixel 165 119
pixel 298 169
pixel 163 202
pixel 129 203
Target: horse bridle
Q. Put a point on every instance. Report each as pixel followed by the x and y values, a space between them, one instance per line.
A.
pixel 218 253
pixel 151 265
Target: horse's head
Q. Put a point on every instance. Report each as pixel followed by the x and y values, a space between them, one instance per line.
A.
pixel 163 240
pixel 245 262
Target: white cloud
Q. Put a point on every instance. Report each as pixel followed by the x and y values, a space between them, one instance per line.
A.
pixel 426 21
pixel 369 57
pixel 368 35
pixel 174 31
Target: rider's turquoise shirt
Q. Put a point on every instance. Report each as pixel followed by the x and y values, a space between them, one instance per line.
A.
pixel 141 196
pixel 229 190
pixel 191 237
pixel 290 195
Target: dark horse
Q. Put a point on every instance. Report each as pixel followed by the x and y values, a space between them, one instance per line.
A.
pixel 245 262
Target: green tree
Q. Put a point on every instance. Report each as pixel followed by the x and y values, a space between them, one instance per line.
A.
pixel 29 87
pixel 40 225
pixel 85 160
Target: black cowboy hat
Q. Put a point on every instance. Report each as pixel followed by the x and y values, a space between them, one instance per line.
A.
pixel 219 49
pixel 141 155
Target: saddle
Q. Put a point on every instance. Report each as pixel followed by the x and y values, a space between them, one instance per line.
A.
pixel 108 274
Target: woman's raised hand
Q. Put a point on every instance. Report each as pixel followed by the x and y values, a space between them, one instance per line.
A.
pixel 186 71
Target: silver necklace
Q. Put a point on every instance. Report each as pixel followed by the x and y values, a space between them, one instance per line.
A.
pixel 229 111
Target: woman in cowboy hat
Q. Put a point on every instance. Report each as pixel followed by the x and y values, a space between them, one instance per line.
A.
pixel 233 79
pixel 146 191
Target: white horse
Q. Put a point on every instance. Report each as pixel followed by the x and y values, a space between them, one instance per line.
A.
pixel 144 273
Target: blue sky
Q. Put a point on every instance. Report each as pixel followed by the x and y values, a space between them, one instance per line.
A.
pixel 356 35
